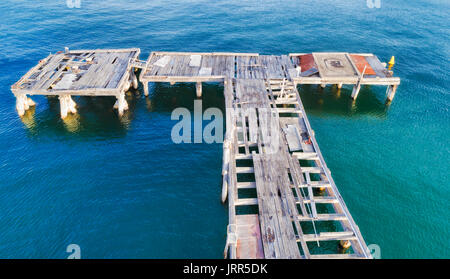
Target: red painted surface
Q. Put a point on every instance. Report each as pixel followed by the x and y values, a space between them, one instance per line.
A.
pixel 307 62
pixel 360 63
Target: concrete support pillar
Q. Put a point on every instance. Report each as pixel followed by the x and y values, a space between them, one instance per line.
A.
pixel 339 85
pixel 199 89
pixel 355 91
pixel 127 85
pixel 323 85
pixel 121 104
pixel 23 103
pixel 134 80
pixel 145 88
pixel 390 92
pixel 66 105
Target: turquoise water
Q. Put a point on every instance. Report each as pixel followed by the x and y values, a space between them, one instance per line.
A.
pixel 122 189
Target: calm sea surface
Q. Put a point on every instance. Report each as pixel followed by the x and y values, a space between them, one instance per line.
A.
pixel 122 189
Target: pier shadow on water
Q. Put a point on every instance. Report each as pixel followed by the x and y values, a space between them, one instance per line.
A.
pixel 95 117
pixel 165 97
pixel 333 101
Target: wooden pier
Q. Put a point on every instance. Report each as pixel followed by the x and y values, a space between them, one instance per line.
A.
pixel 79 73
pixel 270 150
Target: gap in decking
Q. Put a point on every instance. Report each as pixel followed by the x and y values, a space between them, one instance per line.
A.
pixel 247 193
pixel 325 208
pixel 285 105
pixel 245 177
pixel 307 163
pixel 253 148
pixel 321 226
pixel 244 163
pixel 294 192
pixel 299 245
pixel 247 209
pixel 314 177
pixel 288 114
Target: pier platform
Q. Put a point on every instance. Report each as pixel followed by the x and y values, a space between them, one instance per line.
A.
pixel 79 73
pixel 291 208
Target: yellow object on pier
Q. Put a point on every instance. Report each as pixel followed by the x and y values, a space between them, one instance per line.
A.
pixel 391 63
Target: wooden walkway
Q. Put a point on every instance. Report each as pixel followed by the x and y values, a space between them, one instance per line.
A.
pixel 267 126
pixel 294 209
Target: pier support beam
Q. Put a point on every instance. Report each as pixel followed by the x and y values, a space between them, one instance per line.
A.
pixel 23 103
pixel 127 85
pixel 145 88
pixel 225 168
pixel 390 92
pixel 121 104
pixel 339 85
pixel 134 80
pixel 199 89
pixel 66 105
pixel 355 91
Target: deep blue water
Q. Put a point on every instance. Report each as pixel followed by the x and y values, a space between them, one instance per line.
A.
pixel 122 189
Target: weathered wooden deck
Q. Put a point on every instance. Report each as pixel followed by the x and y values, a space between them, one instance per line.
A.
pixel 79 73
pixel 296 210
pixel 268 128
pixel 268 131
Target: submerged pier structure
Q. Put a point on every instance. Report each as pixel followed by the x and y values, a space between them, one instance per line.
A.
pixel 283 202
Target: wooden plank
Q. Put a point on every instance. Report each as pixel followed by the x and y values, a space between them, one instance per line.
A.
pixel 293 138
pixel 244 170
pixel 249 201
pixel 324 217
pixel 305 155
pixel 249 243
pixel 246 185
pixel 195 60
pixel 337 256
pixel 310 195
pixel 277 234
pixel 162 62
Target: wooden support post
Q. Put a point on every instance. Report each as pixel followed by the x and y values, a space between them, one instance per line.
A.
pixel 66 105
pixel 145 88
pixel 23 103
pixel 225 168
pixel 199 89
pixel 390 92
pixel 357 86
pixel 355 91
pixel 339 85
pixel 121 104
